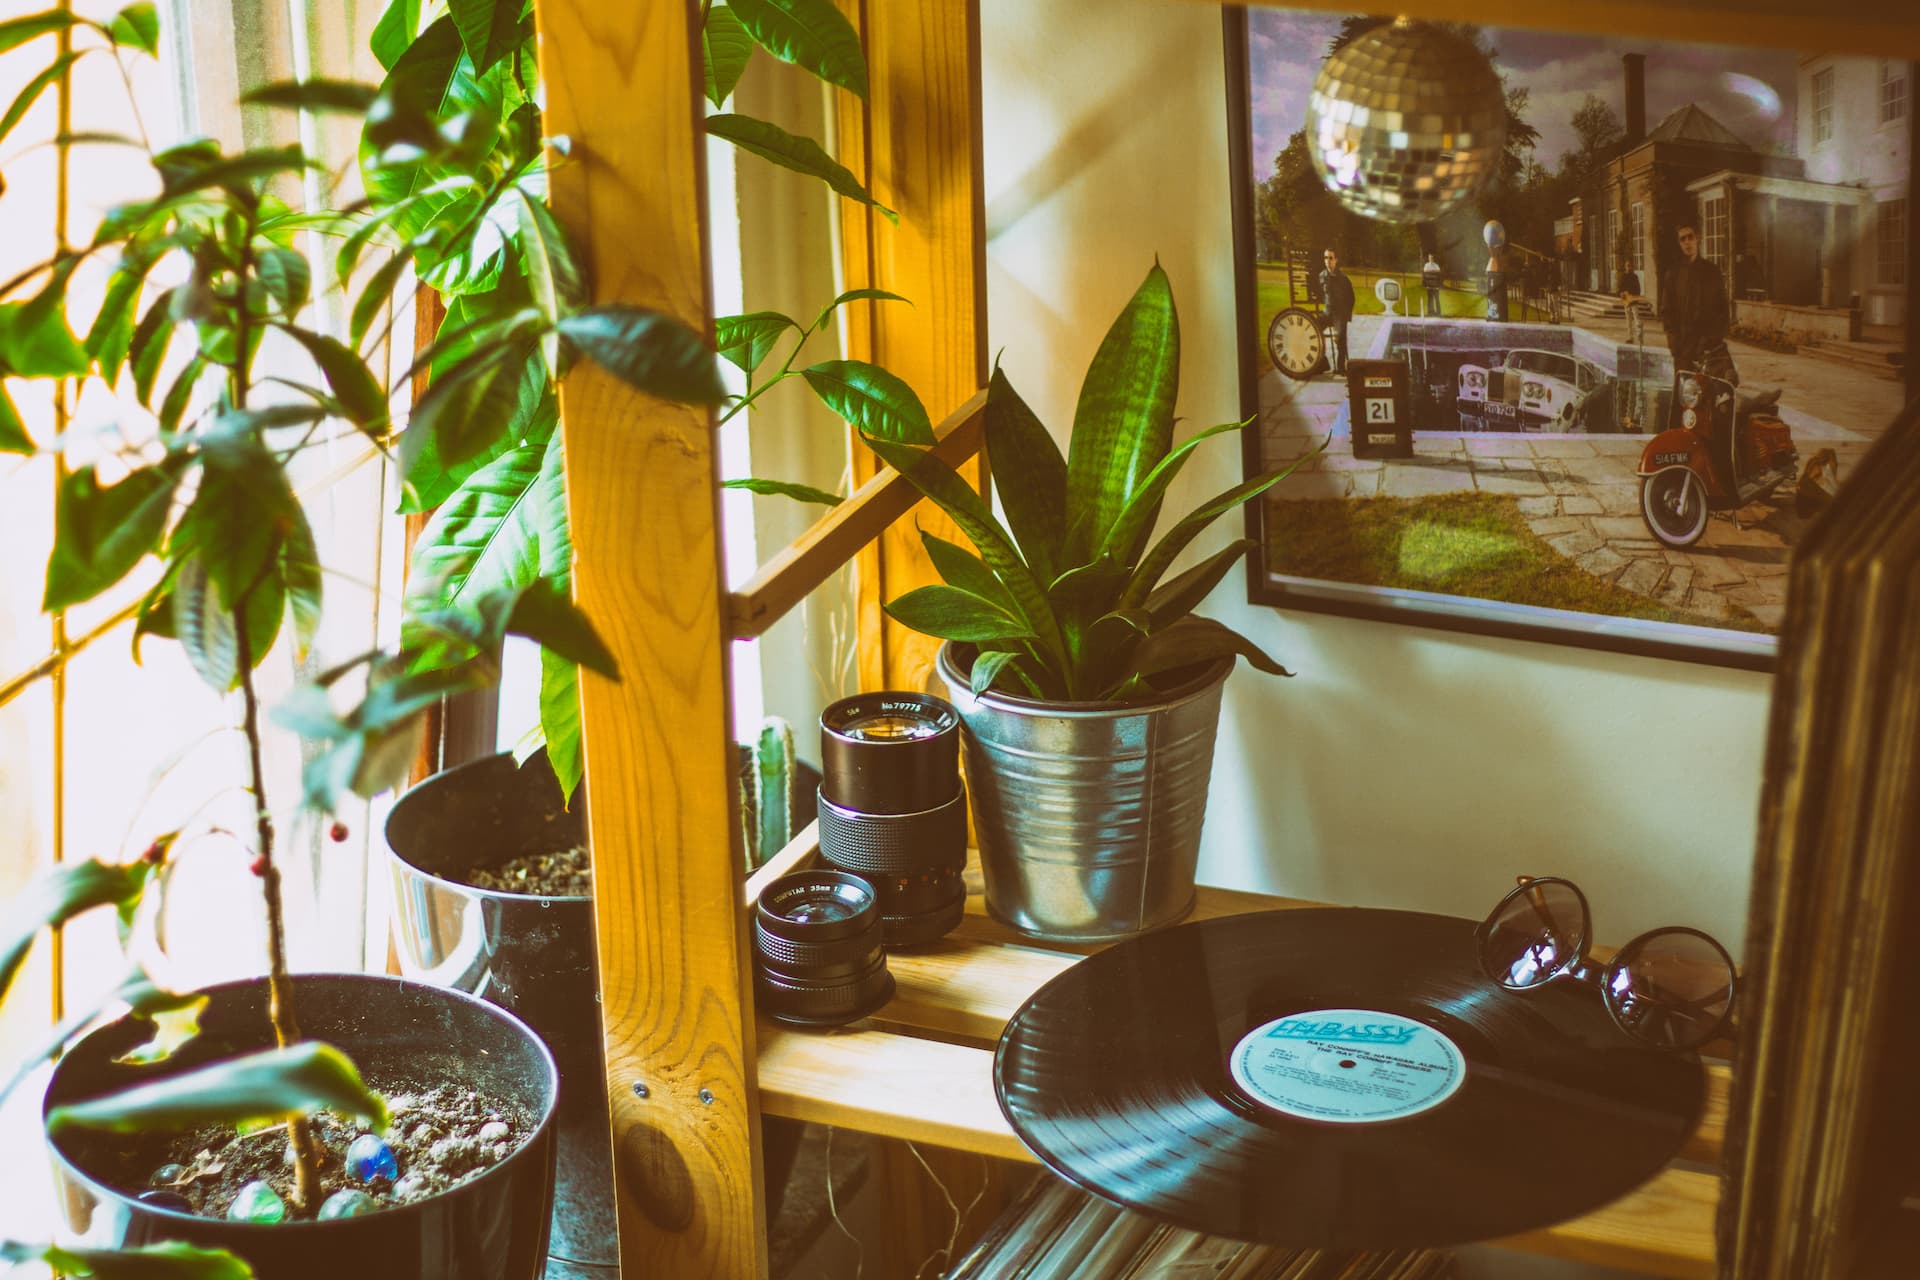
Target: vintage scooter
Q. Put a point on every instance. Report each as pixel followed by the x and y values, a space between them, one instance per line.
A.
pixel 1722 449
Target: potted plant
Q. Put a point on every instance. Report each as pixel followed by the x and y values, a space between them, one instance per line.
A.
pixel 1089 691
pixel 207 494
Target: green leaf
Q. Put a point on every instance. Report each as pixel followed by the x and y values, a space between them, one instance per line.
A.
pixel 57 896
pixel 345 97
pixel 257 1087
pixel 1195 640
pixel 286 277
pixel 23 102
pixel 148 349
pixel 647 350
pixel 174 1026
pixel 746 341
pixel 170 1261
pixel 1147 575
pixel 156 614
pixel 959 567
pixel 1030 475
pixel 174 407
pixel 300 572
pixel 100 534
pixel 136 27
pixel 856 295
pixel 987 667
pixel 547 615
pixel 112 332
pixel 802 155
pixel 13 430
pixel 1174 600
pixel 204 628
pixel 483 539
pixel 469 407
pixel 560 719
pixel 375 294
pixel 953 614
pixel 36 343
pixel 552 277
pixel 809 33
pixel 242 512
pixel 1128 536
pixel 726 47
pixel 873 401
pixel 353 384
pixel 395 31
pixel 489 29
pixel 15 32
pixel 784 489
pixel 1123 424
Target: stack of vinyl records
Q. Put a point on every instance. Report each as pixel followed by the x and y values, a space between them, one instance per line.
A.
pixel 1055 1231
pixel 1823 1122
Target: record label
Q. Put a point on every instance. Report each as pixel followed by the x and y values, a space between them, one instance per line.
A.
pixel 1350 1066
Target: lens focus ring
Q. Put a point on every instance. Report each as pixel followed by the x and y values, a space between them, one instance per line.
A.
pixel 893 844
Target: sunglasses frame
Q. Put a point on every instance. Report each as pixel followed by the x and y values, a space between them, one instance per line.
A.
pixel 1580 969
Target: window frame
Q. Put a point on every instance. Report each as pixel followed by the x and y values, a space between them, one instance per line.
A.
pixel 1892 98
pixel 1821 112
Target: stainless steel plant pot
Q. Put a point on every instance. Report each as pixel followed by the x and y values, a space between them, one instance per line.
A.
pixel 1088 814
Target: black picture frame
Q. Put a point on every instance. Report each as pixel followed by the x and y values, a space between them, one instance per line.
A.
pixel 1265 585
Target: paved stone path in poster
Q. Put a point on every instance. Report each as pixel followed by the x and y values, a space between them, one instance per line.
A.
pixel 1579 492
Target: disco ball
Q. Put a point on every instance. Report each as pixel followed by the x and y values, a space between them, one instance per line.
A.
pixel 1406 122
pixel 1494 233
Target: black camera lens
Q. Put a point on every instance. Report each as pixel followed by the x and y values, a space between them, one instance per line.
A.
pixel 892 808
pixel 817 943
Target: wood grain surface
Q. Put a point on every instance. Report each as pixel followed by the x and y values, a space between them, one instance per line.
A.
pixel 623 84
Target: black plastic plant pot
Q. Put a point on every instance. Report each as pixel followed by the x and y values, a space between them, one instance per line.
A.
pixel 491 1227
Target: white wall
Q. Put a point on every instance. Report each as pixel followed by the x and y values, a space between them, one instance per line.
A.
pixel 1401 767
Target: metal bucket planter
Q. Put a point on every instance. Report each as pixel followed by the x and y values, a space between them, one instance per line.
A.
pixel 1088 814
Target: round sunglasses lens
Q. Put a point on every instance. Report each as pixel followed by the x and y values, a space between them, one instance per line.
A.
pixel 1539 930
pixel 1671 988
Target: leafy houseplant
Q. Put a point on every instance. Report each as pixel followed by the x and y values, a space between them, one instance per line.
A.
pixel 1089 689
pixel 205 495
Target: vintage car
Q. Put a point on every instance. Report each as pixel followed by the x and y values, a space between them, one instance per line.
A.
pixel 1530 391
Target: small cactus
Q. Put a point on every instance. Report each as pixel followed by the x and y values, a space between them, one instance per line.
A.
pixel 773 776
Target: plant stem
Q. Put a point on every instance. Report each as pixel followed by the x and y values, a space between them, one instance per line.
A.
pixel 286 1027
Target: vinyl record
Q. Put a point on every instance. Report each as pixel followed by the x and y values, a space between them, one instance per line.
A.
pixel 1337 1078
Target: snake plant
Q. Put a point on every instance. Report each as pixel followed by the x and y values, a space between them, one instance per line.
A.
pixel 1065 602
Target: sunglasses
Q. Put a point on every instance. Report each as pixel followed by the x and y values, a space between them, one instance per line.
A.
pixel 1670 988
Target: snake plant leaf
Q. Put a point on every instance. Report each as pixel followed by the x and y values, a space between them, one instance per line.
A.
pixel 784 489
pixel 57 896
pixel 101 533
pixel 648 350
pixel 136 27
pixel 953 614
pixel 726 47
pixel 874 402
pixel 170 1261
pixel 15 32
pixel 1173 600
pixel 959 567
pixel 256 1087
pixel 489 29
pixel 1128 536
pixel 1155 562
pixel 746 341
pixel 1123 423
pixel 809 33
pixel 987 668
pixel 1030 475
pixel 1192 640
pixel 939 482
pixel 802 155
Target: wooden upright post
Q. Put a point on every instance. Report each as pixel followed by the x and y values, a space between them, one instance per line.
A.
pixel 623 84
pixel 921 156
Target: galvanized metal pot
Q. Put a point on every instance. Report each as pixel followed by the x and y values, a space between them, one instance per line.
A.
pixel 1088 814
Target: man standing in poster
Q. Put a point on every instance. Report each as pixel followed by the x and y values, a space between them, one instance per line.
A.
pixel 1694 311
pixel 1337 291
pixel 1430 277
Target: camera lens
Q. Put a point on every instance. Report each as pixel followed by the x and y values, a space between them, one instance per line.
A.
pixel 816 938
pixel 892 808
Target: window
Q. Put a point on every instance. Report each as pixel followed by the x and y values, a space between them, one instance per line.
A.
pixel 1639 248
pixel 1713 230
pixel 1822 106
pixel 1893 92
pixel 1890 243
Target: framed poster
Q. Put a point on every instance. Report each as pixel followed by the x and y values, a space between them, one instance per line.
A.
pixel 1637 360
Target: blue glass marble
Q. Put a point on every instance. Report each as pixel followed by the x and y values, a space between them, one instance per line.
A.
pixel 369 1158
pixel 350 1203
pixel 166 1200
pixel 167 1175
pixel 257 1202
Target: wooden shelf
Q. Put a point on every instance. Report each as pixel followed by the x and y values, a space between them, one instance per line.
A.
pixel 922 1069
